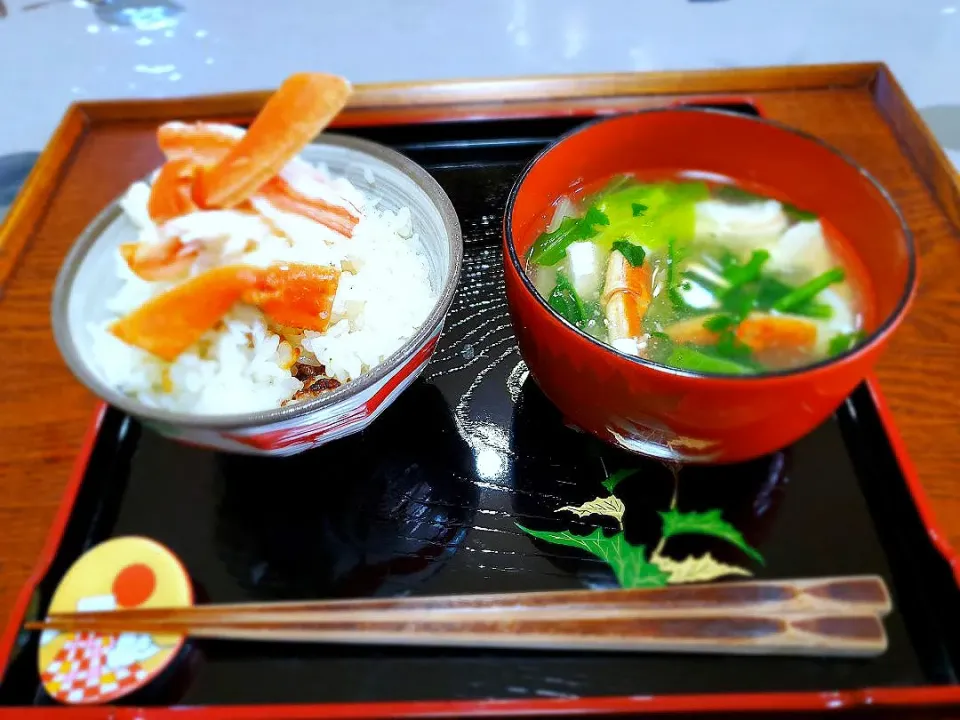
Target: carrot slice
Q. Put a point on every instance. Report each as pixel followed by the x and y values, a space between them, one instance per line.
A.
pixel 283 197
pixel 172 192
pixel 296 295
pixel 170 323
pixel 167 260
pixel 759 332
pixel 303 105
pixel 203 143
pixel 769 332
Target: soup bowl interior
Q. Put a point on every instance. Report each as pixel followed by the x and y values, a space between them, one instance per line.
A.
pixel 88 279
pixel 735 417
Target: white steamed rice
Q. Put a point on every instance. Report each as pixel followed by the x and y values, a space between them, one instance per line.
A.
pixel 243 365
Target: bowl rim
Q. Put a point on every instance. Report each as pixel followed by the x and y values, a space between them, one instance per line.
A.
pixel 67 344
pixel 882 330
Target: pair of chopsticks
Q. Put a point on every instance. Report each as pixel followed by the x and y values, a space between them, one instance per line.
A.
pixel 823 616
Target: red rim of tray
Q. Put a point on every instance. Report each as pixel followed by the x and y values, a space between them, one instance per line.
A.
pixel 713 703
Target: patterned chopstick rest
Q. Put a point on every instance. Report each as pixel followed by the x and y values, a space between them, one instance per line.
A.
pixel 124 572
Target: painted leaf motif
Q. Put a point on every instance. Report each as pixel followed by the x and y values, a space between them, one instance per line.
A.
pixel 610 506
pixel 696 569
pixel 628 562
pixel 706 523
pixel 611 482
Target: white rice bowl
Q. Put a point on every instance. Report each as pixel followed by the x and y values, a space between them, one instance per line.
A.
pixel 244 364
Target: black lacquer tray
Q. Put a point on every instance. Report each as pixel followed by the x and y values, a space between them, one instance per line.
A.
pixel 467 484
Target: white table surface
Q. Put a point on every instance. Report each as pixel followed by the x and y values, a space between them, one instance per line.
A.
pixel 64 51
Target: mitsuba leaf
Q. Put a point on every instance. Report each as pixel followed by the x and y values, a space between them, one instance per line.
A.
pixel 844 341
pixel 565 301
pixel 749 271
pixel 798 214
pixel 551 247
pixel 633 253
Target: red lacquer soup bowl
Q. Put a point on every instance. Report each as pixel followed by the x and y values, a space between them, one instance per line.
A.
pixel 663 412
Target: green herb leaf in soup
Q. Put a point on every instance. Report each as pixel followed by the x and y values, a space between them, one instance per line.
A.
pixel 809 290
pixel 550 248
pixel 798 215
pixel 719 323
pixel 686 357
pixel 633 253
pixel 565 301
pixel 738 275
pixel 845 341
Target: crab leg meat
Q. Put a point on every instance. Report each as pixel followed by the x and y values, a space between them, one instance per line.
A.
pixel 204 143
pixel 168 259
pixel 172 192
pixel 169 323
pixel 626 297
pixel 303 105
pixel 296 295
pixel 291 294
pixel 282 196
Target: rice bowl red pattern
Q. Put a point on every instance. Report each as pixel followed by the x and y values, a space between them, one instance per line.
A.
pixel 353 414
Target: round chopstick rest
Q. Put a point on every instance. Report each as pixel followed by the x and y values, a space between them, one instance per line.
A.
pixel 121 573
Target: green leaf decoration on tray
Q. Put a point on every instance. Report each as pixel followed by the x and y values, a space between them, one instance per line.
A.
pixel 705 523
pixel 630 564
pixel 613 480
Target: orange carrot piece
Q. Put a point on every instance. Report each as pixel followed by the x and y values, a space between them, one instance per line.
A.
pixel 296 295
pixel 173 321
pixel 204 143
pixel 759 332
pixel 303 105
pixel 172 192
pixel 282 196
pixel 769 332
pixel 691 331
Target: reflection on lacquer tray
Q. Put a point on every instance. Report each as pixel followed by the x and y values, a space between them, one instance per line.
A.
pixel 374 514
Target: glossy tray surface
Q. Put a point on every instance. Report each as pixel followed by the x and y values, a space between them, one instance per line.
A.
pixel 465 485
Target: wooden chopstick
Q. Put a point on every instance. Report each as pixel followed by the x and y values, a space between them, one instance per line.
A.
pixel 827 635
pixel 822 616
pixel 855 595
